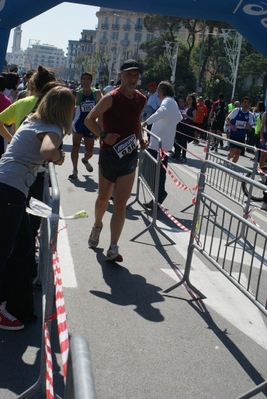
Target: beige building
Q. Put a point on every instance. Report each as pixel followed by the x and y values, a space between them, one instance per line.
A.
pixel 79 54
pixel 47 55
pixel 119 35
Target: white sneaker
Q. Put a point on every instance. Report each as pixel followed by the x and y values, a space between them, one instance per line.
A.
pixel 94 236
pixel 113 254
pixel 264 206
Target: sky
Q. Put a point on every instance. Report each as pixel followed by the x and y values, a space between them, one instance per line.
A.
pixel 58 25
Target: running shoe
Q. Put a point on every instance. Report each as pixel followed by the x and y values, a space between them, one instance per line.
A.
pixel 87 164
pixel 94 236
pixel 113 254
pixel 74 174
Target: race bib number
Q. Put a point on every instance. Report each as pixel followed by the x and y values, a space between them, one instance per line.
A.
pixel 240 124
pixel 86 106
pixel 125 146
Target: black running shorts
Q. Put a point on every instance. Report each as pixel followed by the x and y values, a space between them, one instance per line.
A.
pixel 112 167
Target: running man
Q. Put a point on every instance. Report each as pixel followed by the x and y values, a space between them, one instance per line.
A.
pixel 240 120
pixel 121 110
pixel 86 99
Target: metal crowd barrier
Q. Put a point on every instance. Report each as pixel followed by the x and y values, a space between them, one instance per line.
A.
pixel 79 381
pixel 216 225
pixel 225 183
pixel 148 179
pixel 48 240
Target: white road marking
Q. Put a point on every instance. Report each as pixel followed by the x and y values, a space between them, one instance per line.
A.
pixel 65 257
pixel 222 295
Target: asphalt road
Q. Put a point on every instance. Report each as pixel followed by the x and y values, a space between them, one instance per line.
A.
pixel 144 343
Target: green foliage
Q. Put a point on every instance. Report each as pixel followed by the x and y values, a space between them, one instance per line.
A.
pixel 255 93
pixel 156 71
pixel 155 46
pixel 253 64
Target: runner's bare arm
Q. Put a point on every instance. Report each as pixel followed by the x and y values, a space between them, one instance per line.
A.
pixel 100 118
pixel 91 120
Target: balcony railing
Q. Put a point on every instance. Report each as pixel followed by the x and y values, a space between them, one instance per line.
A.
pixel 125 43
pixel 127 27
pixel 115 26
pixel 103 41
pixel 104 26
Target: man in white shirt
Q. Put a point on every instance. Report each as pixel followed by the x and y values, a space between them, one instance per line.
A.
pixel 109 88
pixel 153 101
pixel 164 122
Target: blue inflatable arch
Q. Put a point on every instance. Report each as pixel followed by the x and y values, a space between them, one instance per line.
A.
pixel 248 17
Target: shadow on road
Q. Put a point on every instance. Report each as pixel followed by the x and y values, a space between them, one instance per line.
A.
pixel 129 289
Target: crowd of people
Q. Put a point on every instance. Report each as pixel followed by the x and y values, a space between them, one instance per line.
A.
pixel 36 112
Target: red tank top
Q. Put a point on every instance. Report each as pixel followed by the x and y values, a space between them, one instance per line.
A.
pixel 124 115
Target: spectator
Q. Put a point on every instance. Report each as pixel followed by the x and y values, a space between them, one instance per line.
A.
pixel 36 140
pixel 13 68
pixel 12 82
pixel 164 122
pixel 258 114
pixel 218 113
pixel 263 139
pixel 4 103
pixel 202 111
pixel 232 105
pixel 187 124
pixel 180 139
pixel 18 110
pixel 109 88
pixel 25 91
pixel 15 114
pixel 153 101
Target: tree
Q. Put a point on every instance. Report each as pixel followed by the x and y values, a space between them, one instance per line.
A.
pixel 163 24
pixel 254 64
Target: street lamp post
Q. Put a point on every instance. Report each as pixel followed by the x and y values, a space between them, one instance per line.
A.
pixel 232 44
pixel 172 54
pixel 200 56
pixel 114 58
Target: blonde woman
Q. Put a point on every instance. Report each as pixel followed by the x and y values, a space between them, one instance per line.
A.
pixel 37 140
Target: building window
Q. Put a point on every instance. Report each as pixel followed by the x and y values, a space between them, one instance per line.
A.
pixel 138 37
pixel 115 35
pixel 139 23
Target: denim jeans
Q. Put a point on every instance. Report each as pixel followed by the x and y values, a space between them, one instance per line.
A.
pixel 15 232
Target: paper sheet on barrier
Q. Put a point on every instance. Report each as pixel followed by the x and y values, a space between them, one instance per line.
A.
pixel 39 208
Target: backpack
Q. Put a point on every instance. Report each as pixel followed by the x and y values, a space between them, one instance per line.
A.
pixel 221 110
pixel 80 92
